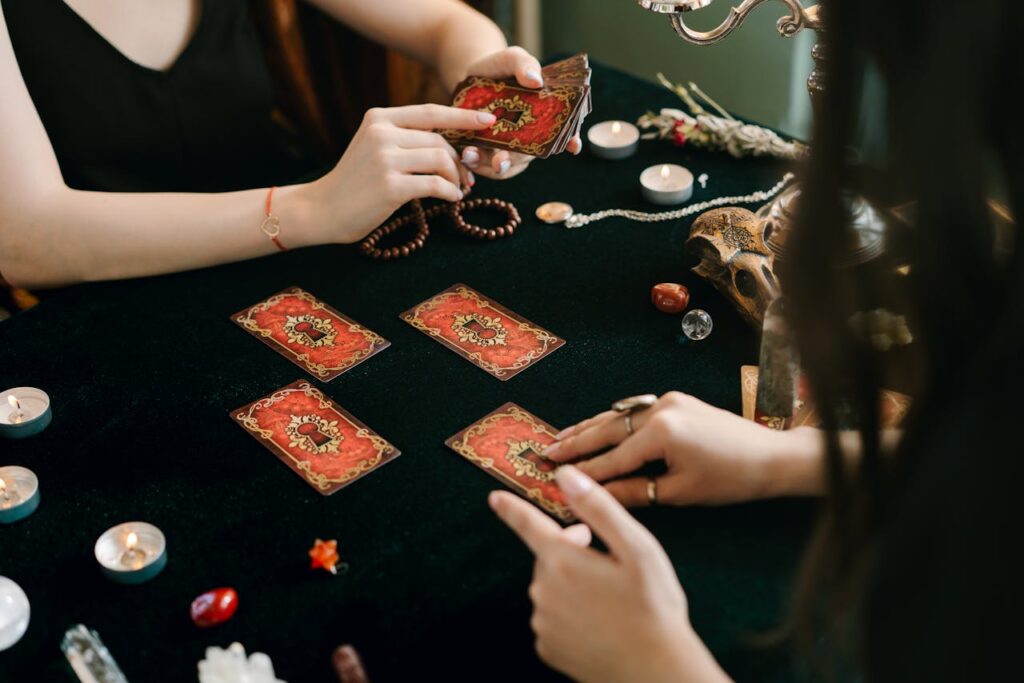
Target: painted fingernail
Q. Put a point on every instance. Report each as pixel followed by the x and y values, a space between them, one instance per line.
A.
pixel 573 482
pixel 534 77
pixel 504 166
pixel 551 449
pixel 564 433
pixel 471 157
pixel 471 178
pixel 486 117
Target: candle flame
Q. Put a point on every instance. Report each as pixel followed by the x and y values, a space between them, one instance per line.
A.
pixel 15 403
pixel 665 171
pixel 616 127
pixel 131 541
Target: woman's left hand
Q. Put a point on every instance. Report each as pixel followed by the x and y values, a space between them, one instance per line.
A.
pixel 613 617
pixel 524 67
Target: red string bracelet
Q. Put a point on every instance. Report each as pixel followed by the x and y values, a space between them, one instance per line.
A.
pixel 271 225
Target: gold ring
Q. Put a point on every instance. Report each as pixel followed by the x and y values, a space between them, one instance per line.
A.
pixel 635 404
pixel 652 491
pixel 629 423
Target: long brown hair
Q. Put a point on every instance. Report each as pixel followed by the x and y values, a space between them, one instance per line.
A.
pixel 951 141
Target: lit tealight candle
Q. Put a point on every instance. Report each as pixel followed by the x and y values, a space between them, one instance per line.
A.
pixel 132 552
pixel 667 184
pixel 19 493
pixel 24 411
pixel 613 139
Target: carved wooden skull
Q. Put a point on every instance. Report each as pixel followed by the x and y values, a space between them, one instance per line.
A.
pixel 735 258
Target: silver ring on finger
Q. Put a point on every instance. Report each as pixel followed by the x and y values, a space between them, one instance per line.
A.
pixel 634 404
pixel 628 417
pixel 652 491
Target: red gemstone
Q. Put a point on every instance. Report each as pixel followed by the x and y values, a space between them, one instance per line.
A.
pixel 214 607
pixel 668 297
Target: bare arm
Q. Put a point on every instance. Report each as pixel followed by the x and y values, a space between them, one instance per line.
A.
pixel 457 41
pixel 446 34
pixel 799 470
pixel 712 455
pixel 53 235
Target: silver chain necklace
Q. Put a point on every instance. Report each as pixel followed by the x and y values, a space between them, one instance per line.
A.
pixel 579 220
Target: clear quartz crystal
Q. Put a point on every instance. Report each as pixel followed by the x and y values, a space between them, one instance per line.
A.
pixel 697 324
pixel 89 657
pixel 232 666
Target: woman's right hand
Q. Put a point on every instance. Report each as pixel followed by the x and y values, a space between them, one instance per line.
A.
pixel 393 158
pixel 712 456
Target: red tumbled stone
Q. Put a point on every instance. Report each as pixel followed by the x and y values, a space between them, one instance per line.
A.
pixel 214 607
pixel 668 297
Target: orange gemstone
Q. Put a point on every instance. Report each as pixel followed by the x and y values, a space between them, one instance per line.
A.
pixel 324 555
pixel 668 297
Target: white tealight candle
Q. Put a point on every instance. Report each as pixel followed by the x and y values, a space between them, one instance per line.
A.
pixel 19 493
pixel 667 184
pixel 24 411
pixel 132 552
pixel 613 139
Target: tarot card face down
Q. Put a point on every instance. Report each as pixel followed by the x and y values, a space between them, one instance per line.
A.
pixel 507 445
pixel 482 331
pixel 531 122
pixel 310 333
pixel 321 442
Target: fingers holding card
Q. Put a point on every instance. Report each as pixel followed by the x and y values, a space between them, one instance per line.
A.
pixel 537 122
pixel 507 444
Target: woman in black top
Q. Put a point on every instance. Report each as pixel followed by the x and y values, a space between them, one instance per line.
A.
pixel 138 138
pixel 916 571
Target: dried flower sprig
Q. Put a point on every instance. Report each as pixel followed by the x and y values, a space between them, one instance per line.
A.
pixel 710 131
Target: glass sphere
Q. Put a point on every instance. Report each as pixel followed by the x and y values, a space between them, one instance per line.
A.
pixel 697 324
pixel 14 613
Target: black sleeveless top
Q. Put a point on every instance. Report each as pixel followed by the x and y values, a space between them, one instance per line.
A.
pixel 203 125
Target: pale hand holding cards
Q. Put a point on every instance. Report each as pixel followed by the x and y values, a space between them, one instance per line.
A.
pixel 537 122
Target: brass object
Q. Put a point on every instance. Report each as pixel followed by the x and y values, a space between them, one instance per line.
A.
pixel 735 259
pixel 775 219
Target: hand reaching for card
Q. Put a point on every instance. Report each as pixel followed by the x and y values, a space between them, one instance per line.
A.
pixel 613 617
pixel 512 62
pixel 713 456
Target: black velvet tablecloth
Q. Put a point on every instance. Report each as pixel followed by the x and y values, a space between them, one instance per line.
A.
pixel 142 375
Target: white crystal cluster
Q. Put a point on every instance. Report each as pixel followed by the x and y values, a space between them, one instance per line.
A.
pixel 232 666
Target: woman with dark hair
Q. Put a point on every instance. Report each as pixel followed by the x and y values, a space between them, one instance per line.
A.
pixel 915 570
pixel 143 138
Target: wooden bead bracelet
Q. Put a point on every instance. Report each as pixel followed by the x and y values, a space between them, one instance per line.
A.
pixel 420 217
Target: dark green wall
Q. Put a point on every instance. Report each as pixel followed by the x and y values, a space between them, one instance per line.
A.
pixel 753 72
